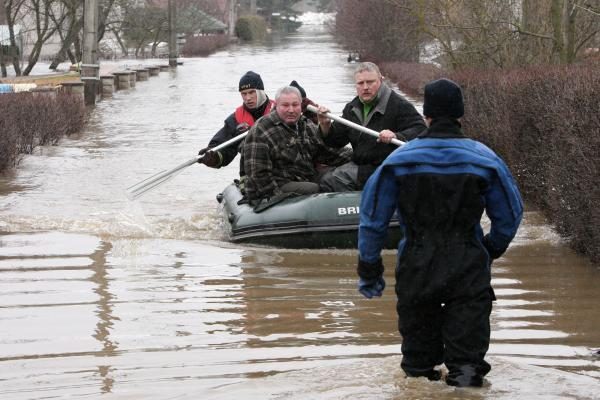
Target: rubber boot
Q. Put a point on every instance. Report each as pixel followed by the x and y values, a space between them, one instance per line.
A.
pixel 464 376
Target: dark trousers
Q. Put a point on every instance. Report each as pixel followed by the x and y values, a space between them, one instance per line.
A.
pixel 300 187
pixel 456 333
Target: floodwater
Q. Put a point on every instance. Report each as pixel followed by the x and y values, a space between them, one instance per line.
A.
pixel 103 297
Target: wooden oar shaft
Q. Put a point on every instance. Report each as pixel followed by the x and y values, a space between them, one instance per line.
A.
pixel 353 125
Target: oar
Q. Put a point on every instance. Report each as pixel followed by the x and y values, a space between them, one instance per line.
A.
pixel 351 124
pixel 135 191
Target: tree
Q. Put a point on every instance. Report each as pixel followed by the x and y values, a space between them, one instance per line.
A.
pixel 144 24
pixel 473 33
pixel 42 28
pixel 378 30
pixel 12 12
pixel 495 33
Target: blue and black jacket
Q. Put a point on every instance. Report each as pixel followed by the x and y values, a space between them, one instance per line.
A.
pixel 440 184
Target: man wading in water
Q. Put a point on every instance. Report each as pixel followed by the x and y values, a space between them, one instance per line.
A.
pixel 440 183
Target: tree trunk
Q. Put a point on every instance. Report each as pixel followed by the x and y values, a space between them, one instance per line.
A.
pixel 33 57
pixel 102 17
pixel 14 51
pixel 120 41
pixel 570 51
pixel 12 9
pixel 71 56
pixel 67 41
pixel 3 72
pixel 556 16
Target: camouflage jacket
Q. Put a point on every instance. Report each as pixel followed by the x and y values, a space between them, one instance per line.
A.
pixel 275 154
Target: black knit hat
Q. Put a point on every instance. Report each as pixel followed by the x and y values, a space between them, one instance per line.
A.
pixel 251 80
pixel 300 88
pixel 443 98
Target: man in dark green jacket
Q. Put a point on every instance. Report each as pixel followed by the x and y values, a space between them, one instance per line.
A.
pixel 376 107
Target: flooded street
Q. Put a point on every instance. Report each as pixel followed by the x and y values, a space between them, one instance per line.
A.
pixel 103 297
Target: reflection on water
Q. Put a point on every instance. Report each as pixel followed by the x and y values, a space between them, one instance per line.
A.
pixel 101 296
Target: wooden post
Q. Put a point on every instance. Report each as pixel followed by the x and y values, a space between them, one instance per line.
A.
pixel 172 35
pixel 90 70
pixel 142 74
pixel 108 85
pixel 231 17
pixel 132 78
pixel 75 88
pixel 123 80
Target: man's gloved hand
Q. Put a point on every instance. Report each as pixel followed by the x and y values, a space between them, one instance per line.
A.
pixel 492 250
pixel 210 158
pixel 371 287
pixel 370 282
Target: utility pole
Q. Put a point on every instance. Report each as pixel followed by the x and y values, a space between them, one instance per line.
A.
pixel 172 35
pixel 90 69
pixel 231 17
pixel 252 7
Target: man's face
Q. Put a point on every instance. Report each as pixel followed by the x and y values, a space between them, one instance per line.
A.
pixel 367 85
pixel 250 98
pixel 289 108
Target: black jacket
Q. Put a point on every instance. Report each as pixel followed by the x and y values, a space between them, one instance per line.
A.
pixel 227 132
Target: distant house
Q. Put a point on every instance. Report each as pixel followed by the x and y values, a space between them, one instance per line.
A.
pixel 210 25
pixel 221 10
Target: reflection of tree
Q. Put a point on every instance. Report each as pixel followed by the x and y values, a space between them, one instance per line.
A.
pixel 105 310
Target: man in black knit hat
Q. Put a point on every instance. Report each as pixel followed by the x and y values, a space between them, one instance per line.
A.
pixel 439 185
pixel 305 103
pixel 255 104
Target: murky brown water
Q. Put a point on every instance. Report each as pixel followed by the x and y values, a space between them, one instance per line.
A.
pixel 101 297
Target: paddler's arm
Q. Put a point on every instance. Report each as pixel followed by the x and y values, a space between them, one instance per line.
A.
pixel 333 135
pixel 227 132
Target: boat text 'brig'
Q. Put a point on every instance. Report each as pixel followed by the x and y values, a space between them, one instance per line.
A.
pixel 348 210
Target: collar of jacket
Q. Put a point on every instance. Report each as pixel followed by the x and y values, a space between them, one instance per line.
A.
pixel 294 129
pixel 260 110
pixel 444 128
pixel 383 96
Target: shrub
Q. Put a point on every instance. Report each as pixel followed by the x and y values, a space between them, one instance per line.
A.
pixel 544 122
pixel 30 119
pixel 204 45
pixel 251 27
pixel 410 77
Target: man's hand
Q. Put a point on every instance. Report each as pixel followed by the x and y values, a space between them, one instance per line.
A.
pixel 209 158
pixel 386 136
pixel 492 250
pixel 370 282
pixel 324 121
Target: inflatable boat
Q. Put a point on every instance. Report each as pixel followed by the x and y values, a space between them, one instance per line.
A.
pixel 322 220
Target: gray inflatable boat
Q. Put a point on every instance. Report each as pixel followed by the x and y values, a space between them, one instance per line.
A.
pixel 322 220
